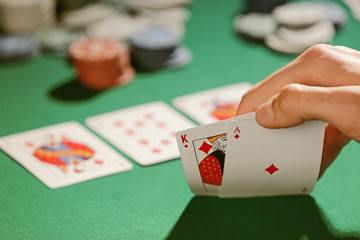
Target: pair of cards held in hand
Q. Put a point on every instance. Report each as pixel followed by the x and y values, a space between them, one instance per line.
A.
pixel 239 158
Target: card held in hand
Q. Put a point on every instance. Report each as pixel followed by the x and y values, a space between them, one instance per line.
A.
pixel 239 158
pixel 264 162
pixel 202 150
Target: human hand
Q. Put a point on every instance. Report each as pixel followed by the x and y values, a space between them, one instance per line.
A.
pixel 322 83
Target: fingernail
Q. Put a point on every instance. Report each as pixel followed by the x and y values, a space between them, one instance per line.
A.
pixel 265 112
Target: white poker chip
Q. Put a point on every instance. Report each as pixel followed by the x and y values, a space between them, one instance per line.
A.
pixel 155 4
pixel 118 28
pixel 255 25
pixel 83 17
pixel 181 57
pixel 175 14
pixel 321 32
pixel 118 5
pixel 278 44
pixel 57 37
pixel 299 15
pixel 296 41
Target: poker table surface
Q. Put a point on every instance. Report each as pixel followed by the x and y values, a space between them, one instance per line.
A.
pixel 154 202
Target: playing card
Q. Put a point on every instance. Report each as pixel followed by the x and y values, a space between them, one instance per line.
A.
pixel 202 151
pixel 63 154
pixel 146 133
pixel 261 162
pixel 212 105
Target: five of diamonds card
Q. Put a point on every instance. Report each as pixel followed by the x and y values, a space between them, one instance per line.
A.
pixel 239 158
pixel 63 154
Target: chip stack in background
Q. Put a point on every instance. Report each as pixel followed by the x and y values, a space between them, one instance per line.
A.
pixel 15 48
pixel 143 14
pixel 101 63
pixel 118 5
pixel 118 28
pixel 57 24
pixel 171 14
pixel 291 28
pixel 157 48
pixel 26 16
pixel 56 39
pixel 82 17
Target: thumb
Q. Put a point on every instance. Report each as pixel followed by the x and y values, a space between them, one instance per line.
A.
pixel 295 103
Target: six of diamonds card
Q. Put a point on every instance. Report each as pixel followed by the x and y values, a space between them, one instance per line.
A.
pixel 212 105
pixel 146 133
pixel 63 154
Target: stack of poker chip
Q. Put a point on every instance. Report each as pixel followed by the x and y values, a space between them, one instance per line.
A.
pixel 158 48
pixel 26 16
pixel 170 14
pixel 118 28
pixel 18 48
pixel 82 17
pixel 101 63
pixel 291 28
pixel 56 39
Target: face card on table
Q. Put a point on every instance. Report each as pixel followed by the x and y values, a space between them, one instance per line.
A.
pixel 202 150
pixel 146 133
pixel 212 105
pixel 63 154
pixel 262 162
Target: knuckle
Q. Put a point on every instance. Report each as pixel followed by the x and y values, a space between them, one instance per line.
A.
pixel 316 51
pixel 290 95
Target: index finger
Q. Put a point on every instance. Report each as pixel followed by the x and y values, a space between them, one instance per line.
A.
pixel 320 65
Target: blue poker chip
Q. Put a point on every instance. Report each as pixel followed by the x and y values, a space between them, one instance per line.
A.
pixel 18 48
pixel 154 38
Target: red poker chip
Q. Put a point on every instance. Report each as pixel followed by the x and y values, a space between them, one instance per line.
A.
pixel 101 63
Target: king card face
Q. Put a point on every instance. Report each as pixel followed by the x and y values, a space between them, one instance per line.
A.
pixel 146 133
pixel 212 105
pixel 263 162
pixel 63 154
pixel 203 151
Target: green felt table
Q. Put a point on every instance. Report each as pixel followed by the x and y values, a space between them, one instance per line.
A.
pixel 155 202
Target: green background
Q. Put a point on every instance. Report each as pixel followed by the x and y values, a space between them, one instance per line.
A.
pixel 155 202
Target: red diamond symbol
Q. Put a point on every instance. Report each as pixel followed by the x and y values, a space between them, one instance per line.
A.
pixel 236 136
pixel 118 123
pixel 205 147
pixel 186 146
pixel 156 150
pixel 29 144
pixel 271 169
